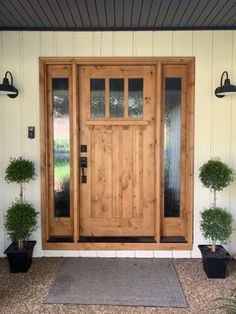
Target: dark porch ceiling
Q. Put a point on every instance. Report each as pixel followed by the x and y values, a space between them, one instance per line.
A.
pixel 117 14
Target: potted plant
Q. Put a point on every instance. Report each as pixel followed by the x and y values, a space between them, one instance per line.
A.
pixel 216 222
pixel 21 217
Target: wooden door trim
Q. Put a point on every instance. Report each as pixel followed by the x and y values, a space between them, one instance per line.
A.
pixel 118 246
pixel 75 62
pixel 116 60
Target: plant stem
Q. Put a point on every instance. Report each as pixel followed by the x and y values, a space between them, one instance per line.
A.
pixel 21 193
pixel 213 246
pixel 20 244
pixel 214 198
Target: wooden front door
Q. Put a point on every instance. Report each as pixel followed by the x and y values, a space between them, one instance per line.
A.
pixel 117 121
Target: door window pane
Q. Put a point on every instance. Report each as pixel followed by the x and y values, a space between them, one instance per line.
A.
pixel 135 98
pixel 172 145
pixel 97 98
pixel 61 147
pixel 116 98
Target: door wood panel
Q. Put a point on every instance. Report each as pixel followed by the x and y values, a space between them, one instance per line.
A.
pixel 119 196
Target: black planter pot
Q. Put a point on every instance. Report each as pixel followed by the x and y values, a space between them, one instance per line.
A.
pixel 214 264
pixel 20 260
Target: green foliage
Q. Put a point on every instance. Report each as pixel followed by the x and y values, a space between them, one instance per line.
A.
pixel 215 175
pixel 21 221
pixel 20 170
pixel 21 217
pixel 216 224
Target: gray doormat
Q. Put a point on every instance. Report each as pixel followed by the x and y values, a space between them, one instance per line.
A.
pixel 114 281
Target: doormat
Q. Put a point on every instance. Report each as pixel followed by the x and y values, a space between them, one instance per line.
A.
pixel 116 281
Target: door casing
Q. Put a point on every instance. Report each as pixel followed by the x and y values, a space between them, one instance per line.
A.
pixel 75 64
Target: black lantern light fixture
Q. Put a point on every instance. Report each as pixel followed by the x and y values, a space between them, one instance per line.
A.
pixel 227 88
pixel 7 88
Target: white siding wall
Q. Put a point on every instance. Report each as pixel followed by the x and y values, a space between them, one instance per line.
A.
pixel 215 119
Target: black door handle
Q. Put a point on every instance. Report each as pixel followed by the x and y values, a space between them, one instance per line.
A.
pixel 83 165
pixel 83 162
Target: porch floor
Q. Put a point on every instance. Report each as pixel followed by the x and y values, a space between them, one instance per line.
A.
pixel 25 293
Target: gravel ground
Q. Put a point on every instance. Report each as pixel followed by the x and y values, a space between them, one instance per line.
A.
pixel 25 292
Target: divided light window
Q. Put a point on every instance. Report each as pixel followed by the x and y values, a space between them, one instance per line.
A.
pixel 116 98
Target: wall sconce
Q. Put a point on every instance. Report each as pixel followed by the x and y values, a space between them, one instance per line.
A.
pixel 227 88
pixel 7 88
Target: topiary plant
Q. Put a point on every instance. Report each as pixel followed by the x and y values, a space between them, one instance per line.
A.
pixel 216 225
pixel 216 222
pixel 21 217
pixel 215 175
pixel 20 171
pixel 21 221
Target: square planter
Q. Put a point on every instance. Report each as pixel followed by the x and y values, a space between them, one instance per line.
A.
pixel 214 264
pixel 20 260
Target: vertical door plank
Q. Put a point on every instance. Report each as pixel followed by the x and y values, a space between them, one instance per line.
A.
pixel 86 138
pixel 126 175
pixel 107 170
pixel 149 150
pixel 137 173
pixel 102 172
pixel 116 166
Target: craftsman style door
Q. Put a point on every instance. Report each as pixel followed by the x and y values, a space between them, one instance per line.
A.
pixel 117 151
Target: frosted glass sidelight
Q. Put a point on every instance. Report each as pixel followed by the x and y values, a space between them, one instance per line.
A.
pixel 61 147
pixel 172 146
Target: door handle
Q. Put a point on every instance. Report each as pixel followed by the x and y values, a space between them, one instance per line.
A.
pixel 83 162
pixel 83 165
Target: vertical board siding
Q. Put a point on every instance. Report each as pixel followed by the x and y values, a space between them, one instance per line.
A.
pixel 123 43
pixel 163 44
pixel 103 44
pixel 2 155
pixel 182 43
pixel 64 44
pixel 47 44
pixel 202 50
pixel 222 106
pixel 215 118
pixel 12 119
pixel 232 190
pixel 30 115
pixel 84 44
pixel 143 44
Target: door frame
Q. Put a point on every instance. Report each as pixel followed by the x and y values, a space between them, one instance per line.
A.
pixel 74 63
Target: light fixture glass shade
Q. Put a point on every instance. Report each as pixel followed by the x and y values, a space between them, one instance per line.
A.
pixel 7 88
pixel 227 88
